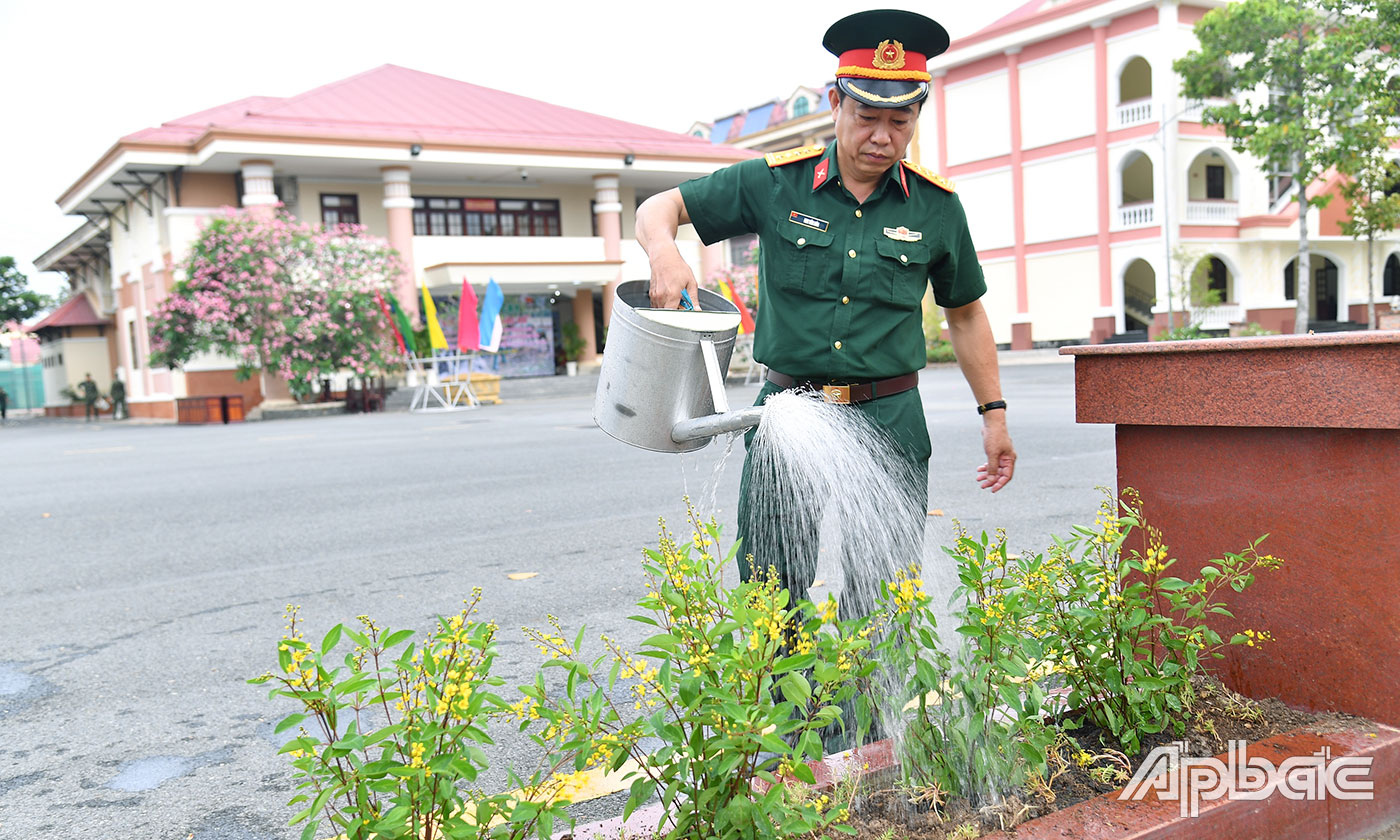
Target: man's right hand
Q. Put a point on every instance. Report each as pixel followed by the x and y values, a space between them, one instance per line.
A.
pixel 657 220
pixel 670 275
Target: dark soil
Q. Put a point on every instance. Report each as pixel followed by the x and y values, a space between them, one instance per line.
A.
pixel 1217 717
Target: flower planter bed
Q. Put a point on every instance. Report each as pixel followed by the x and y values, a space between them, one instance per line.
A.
pixel 1087 812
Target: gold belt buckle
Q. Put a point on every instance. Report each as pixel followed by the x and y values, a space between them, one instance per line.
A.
pixel 840 394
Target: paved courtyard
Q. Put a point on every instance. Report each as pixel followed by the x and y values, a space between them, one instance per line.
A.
pixel 144 569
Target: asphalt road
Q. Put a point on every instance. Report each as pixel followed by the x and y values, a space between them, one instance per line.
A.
pixel 144 569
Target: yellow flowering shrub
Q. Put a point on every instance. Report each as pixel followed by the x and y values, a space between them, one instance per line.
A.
pixel 735 686
pixel 390 734
pixel 972 725
pixel 1108 619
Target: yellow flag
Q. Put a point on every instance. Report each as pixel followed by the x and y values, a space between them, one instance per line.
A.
pixel 435 336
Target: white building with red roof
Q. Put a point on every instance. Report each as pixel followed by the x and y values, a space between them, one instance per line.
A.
pixel 464 181
pixel 1088 182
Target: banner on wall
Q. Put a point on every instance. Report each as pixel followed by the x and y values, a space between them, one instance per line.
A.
pixel 527 335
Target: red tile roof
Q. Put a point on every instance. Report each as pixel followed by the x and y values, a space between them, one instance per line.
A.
pixel 396 104
pixel 75 312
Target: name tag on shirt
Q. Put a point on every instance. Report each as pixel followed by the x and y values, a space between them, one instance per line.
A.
pixel 808 221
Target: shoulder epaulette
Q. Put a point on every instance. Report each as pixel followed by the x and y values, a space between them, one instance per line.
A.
pixel 932 177
pixel 793 155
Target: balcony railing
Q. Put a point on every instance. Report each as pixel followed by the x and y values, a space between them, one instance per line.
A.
pixel 1134 113
pixel 1136 215
pixel 1194 109
pixel 1217 317
pixel 1212 211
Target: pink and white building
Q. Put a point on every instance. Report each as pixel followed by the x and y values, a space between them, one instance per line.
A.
pixel 1088 181
pixel 464 181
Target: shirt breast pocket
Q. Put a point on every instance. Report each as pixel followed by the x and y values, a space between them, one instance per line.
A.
pixel 902 272
pixel 804 257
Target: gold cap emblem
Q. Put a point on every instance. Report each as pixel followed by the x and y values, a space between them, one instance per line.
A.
pixel 889 55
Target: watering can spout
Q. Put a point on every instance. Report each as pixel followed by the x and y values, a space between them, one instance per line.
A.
pixel 704 428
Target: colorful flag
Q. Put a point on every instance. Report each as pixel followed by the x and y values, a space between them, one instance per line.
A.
pixel 436 339
pixel 491 317
pixel 468 330
pixel 745 319
pixel 393 327
pixel 404 324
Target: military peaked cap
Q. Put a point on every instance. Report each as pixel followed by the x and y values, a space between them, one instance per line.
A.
pixel 883 55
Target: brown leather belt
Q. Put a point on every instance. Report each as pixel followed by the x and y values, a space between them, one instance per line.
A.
pixel 849 393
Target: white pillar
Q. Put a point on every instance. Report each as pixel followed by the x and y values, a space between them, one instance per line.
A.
pixel 257 184
pixel 398 207
pixel 607 206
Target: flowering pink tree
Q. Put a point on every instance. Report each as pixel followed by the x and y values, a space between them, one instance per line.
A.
pixel 280 295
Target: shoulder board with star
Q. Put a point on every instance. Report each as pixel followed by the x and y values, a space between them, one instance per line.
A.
pixel 793 155
pixel 930 176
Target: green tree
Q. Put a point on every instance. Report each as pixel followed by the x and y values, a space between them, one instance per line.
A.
pixel 1293 72
pixel 18 302
pixel 1374 195
pixel 1372 188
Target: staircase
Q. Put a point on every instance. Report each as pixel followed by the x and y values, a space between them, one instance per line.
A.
pixel 1137 307
pixel 1126 337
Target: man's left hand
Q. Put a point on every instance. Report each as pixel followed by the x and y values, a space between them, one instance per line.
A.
pixel 1001 457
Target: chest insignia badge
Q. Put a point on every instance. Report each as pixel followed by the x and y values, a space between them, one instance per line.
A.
pixel 904 234
pixel 808 221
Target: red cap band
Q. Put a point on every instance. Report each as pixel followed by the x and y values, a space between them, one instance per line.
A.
pixel 889 60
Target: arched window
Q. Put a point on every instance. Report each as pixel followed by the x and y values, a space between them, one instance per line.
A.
pixel 1390 283
pixel 800 106
pixel 1137 178
pixel 1135 82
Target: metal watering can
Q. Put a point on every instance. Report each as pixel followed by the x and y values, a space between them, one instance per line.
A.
pixel 662 382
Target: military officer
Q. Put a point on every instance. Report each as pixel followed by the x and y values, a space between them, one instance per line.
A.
pixel 89 391
pixel 851 235
pixel 118 393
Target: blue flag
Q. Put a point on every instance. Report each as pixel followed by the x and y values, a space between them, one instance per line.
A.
pixel 491 317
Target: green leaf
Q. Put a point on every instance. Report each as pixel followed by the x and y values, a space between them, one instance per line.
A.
pixel 287 723
pixel 796 688
pixel 332 638
pixel 396 638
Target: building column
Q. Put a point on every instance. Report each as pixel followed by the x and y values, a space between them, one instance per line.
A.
pixel 1165 84
pixel 940 113
pixel 398 207
pixel 1105 321
pixel 259 196
pixel 1021 323
pixel 143 345
pixel 587 329
pixel 607 208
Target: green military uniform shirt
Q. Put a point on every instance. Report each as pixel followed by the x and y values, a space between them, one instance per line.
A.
pixel 840 282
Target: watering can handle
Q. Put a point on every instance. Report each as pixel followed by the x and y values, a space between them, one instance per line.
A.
pixel 717 393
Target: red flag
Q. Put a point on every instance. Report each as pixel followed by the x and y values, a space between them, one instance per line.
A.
pixel 389 316
pixel 468 330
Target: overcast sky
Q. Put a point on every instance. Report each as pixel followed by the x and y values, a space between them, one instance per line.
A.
pixel 76 76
